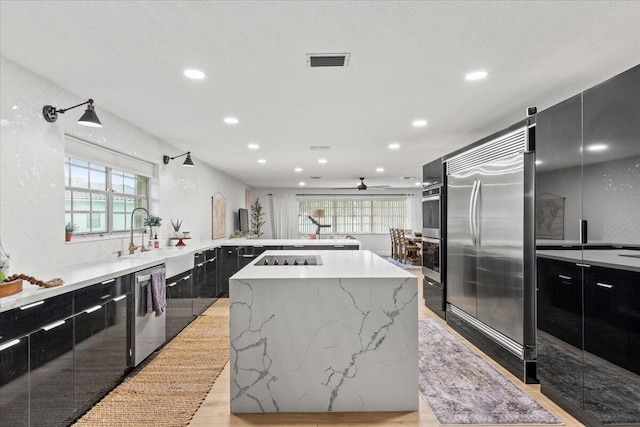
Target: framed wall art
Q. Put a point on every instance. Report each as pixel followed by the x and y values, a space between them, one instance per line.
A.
pixel 218 216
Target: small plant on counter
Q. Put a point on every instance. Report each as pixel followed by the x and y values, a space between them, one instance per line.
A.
pixel 176 225
pixel 153 221
pixel 257 219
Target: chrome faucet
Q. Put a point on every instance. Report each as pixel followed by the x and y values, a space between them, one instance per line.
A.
pixel 132 246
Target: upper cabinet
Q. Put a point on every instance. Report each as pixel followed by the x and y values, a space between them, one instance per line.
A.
pixel 611 159
pixel 588 165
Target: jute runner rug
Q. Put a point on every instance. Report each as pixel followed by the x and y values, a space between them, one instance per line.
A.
pixel 170 388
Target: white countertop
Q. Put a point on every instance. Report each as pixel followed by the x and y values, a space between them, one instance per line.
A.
pixel 288 242
pixel 79 276
pixel 335 264
pixel 602 257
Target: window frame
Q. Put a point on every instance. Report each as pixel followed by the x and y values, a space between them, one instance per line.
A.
pixel 109 194
pixel 374 224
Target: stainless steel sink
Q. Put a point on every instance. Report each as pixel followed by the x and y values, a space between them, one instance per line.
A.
pixel 290 260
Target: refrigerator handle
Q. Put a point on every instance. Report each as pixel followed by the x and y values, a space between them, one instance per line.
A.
pixel 476 213
pixel 471 214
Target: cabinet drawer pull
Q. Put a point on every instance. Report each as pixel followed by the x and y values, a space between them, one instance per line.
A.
pixel 338 246
pixel 172 284
pixel 186 277
pixel 92 309
pixel 106 282
pixel 564 277
pixel 247 256
pixel 28 306
pixel 9 344
pixel 604 285
pixel 200 265
pixel 430 283
pixel 298 246
pixel 121 297
pixel 584 265
pixel 53 325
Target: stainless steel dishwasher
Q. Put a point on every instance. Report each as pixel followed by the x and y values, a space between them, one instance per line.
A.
pixel 149 329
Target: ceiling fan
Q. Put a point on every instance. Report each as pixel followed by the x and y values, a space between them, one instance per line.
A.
pixel 363 186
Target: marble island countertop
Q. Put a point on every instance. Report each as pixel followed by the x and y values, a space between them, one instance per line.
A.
pixel 81 275
pixel 611 258
pixel 335 264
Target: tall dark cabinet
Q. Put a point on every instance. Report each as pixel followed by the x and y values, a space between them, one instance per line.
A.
pixel 588 240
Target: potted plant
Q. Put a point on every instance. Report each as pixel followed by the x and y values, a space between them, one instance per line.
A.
pixel 176 227
pixel 153 221
pixel 68 231
pixel 257 219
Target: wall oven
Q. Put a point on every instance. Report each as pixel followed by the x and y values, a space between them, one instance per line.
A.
pixel 431 225
pixel 431 212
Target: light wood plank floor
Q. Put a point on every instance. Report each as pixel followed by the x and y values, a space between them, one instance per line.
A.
pixel 214 411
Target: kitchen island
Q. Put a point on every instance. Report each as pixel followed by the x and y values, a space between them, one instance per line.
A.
pixel 341 335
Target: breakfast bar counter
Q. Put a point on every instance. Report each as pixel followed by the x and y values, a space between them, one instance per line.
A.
pixel 338 334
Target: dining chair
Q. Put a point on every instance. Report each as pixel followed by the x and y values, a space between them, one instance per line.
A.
pixel 408 250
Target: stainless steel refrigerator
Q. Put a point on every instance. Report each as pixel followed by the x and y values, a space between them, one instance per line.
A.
pixel 490 241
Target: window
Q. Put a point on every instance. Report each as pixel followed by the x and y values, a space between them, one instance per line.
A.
pixel 353 216
pixel 100 199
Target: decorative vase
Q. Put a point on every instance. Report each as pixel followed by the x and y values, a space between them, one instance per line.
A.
pixel 67 237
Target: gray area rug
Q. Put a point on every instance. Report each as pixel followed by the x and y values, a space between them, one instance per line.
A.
pixel 461 388
pixel 406 266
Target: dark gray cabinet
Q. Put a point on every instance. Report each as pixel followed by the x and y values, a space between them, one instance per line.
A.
pixel 75 349
pixel 200 303
pixel 51 385
pixel 587 156
pixel 14 381
pixel 560 300
pixel 179 309
pixel 433 294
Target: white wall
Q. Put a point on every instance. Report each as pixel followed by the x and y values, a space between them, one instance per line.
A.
pixel 32 177
pixel 377 243
pixel 608 193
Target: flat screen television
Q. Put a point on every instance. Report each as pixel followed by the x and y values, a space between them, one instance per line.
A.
pixel 243 220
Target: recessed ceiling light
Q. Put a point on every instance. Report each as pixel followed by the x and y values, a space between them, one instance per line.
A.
pixel 262 161
pixel 253 146
pixel 297 169
pixel 418 123
pixel 194 74
pixel 394 146
pixel 597 147
pixel 476 75
pixel 302 184
pixel 379 169
pixel 322 161
pixel 231 120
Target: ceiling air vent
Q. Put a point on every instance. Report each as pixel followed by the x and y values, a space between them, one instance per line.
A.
pixel 315 177
pixel 319 147
pixel 408 177
pixel 327 59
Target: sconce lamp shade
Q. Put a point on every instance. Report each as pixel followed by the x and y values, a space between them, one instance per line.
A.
pixel 187 162
pixel 318 213
pixel 90 118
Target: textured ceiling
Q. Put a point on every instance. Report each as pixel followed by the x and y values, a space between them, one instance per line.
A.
pixel 408 60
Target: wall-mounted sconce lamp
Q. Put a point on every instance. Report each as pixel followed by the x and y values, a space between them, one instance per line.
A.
pixel 89 118
pixel 187 162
